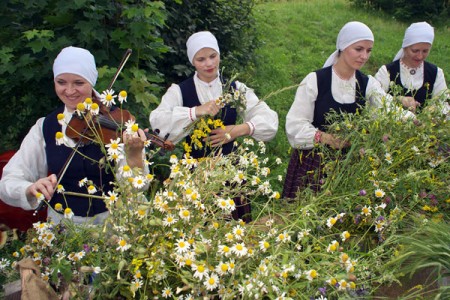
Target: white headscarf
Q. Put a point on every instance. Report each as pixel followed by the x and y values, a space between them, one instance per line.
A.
pixel 420 32
pixel 200 40
pixel 351 33
pixel 76 61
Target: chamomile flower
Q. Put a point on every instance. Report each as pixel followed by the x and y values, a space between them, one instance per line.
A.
pixel 139 182
pixel 115 146
pixel 224 250
pixel 264 245
pixel 169 220
pixel 60 138
pixel 331 221
pixel 39 196
pixel 388 158
pixel 182 246
pixel 380 207
pixel 61 118
pixel 366 210
pixel 126 171
pixel 185 215
pixel 82 182
pixel 239 249
pixel 239 231
pixel 122 96
pixel 379 193
pixel 68 213
pixel 81 108
pixel 123 245
pixel 107 98
pixel 111 197
pixel 311 274
pixel 167 292
pixel 58 207
pixel 345 236
pixel 379 225
pixel 333 246
pixel 211 281
pixel 95 109
pixel 60 189
pixel 137 283
pixel 283 237
pixel 92 189
pixel 199 271
pixel 222 268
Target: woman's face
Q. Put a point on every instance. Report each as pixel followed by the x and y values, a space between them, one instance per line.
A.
pixel 206 62
pixel 72 89
pixel 414 55
pixel 357 54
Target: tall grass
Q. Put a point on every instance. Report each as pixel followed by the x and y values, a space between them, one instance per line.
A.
pixel 297 37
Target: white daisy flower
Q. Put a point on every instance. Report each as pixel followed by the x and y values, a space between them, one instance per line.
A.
pixel 169 220
pixel 239 249
pixel 199 271
pixel 68 213
pixel 211 281
pixel 123 245
pixel 122 96
pixel 107 98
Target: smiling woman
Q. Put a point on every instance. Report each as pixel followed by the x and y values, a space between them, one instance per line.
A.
pixel 49 165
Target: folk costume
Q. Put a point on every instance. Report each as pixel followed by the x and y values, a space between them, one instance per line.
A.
pixel 426 81
pixel 177 108
pixel 318 93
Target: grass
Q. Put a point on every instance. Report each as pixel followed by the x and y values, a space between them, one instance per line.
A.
pixel 297 37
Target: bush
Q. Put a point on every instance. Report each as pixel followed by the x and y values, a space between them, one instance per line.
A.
pixel 231 22
pixel 413 11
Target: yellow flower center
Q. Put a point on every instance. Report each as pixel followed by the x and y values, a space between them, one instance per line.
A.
pixel 60 117
pixel 239 247
pixel 266 245
pixel 59 135
pixel 211 281
pixel 123 94
pixel 201 268
pixel 81 107
pixel 122 243
pixel 135 127
pixel 109 97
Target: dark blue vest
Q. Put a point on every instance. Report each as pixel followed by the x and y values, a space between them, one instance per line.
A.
pixel 228 115
pixel 325 101
pixel 78 169
pixel 429 78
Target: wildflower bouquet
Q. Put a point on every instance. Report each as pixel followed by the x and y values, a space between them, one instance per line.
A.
pixel 200 129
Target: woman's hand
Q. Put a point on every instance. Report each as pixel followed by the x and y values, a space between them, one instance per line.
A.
pixel 45 186
pixel 208 108
pixel 220 136
pixel 333 141
pixel 133 148
pixel 410 103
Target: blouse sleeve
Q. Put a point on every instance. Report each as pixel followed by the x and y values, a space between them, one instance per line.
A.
pixel 24 168
pixel 299 128
pixel 440 84
pixel 171 116
pixel 263 121
pixel 383 78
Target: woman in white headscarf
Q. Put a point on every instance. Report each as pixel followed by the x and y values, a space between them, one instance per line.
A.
pixel 340 86
pixel 420 79
pixel 195 97
pixel 32 170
